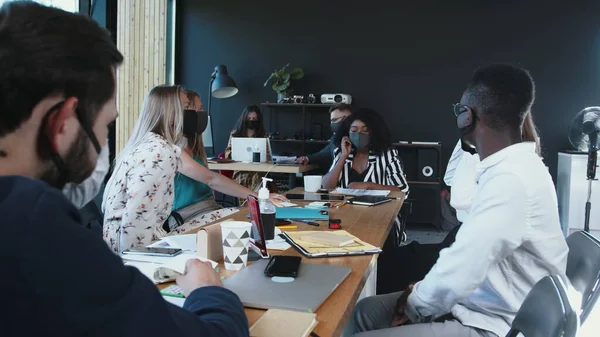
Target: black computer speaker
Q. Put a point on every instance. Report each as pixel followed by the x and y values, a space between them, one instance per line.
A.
pixel 428 165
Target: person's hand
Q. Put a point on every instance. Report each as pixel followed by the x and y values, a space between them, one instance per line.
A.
pixel 400 317
pixel 359 186
pixel 346 146
pixel 277 198
pixel 198 274
pixel 302 160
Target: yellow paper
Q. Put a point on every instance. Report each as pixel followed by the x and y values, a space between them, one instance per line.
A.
pixel 316 248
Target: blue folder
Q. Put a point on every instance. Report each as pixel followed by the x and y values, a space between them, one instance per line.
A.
pixel 296 213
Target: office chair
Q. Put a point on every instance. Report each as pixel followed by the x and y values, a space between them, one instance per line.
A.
pixel 583 269
pixel 546 312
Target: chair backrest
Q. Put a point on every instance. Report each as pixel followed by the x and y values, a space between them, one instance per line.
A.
pixel 583 269
pixel 546 312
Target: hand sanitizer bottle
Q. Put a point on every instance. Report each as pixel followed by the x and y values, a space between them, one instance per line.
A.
pixel 256 155
pixel 267 210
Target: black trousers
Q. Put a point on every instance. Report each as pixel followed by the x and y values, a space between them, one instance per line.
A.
pixel 401 266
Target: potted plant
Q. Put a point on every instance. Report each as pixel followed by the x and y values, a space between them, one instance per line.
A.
pixel 281 81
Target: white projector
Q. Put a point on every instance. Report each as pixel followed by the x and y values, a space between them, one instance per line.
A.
pixel 336 98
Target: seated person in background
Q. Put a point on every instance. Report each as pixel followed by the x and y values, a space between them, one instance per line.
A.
pixel 251 125
pixel 401 266
pixel 193 197
pixel 81 194
pixel 364 157
pixel 324 158
pixel 139 196
pixel 510 240
pixel 63 280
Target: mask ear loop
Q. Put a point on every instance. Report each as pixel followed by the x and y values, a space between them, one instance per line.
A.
pixel 87 128
pixel 54 156
pixel 464 118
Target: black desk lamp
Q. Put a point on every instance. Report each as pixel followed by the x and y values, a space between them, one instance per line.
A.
pixel 220 86
pixel 583 135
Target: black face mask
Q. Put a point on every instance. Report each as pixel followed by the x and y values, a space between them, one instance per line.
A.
pixel 194 122
pixel 465 120
pixel 335 126
pixel 252 125
pixel 464 133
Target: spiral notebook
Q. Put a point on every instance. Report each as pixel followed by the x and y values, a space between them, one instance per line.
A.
pixel 312 249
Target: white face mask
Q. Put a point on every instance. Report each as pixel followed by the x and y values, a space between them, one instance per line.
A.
pixel 103 159
pixel 81 194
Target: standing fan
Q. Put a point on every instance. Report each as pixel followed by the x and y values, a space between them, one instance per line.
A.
pixel 583 135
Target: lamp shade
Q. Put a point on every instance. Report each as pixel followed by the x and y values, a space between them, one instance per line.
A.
pixel 223 86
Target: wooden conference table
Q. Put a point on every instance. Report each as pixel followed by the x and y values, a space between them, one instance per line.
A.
pixel 370 224
pixel 291 170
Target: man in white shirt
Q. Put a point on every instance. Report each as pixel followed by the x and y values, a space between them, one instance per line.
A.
pixel 509 241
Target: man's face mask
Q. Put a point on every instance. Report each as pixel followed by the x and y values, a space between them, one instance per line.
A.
pixel 465 120
pixel 360 140
pixel 252 125
pixel 335 126
pixel 194 122
pixel 76 166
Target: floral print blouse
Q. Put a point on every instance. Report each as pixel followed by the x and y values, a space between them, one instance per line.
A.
pixel 139 195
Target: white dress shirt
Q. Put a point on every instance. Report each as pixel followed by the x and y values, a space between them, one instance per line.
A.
pixel 81 194
pixel 452 163
pixel 511 239
pixel 464 185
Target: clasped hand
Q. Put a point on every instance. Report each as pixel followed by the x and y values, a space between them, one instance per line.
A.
pixel 400 317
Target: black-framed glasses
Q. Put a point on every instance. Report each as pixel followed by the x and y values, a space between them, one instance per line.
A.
pixel 459 109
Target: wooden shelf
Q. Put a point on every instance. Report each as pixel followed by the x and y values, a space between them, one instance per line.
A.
pixel 413 182
pixel 299 141
pixel 296 105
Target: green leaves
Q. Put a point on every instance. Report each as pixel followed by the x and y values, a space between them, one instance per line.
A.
pixel 296 73
pixel 281 79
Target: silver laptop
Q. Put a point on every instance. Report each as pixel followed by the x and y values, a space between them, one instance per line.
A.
pixel 315 282
pixel 242 148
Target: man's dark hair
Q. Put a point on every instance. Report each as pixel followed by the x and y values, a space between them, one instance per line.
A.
pixel 45 51
pixel 503 94
pixel 341 107
pixel 381 138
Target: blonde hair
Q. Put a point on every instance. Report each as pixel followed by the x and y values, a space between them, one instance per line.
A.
pixel 195 143
pixel 162 113
pixel 530 133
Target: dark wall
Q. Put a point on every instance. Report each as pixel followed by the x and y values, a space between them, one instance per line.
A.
pixel 408 60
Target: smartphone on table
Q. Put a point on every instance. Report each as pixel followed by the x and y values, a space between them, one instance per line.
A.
pixel 284 266
pixel 153 251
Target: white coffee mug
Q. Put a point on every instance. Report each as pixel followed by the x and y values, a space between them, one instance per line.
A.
pixel 312 183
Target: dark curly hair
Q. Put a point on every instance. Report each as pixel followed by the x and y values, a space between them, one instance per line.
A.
pixel 381 138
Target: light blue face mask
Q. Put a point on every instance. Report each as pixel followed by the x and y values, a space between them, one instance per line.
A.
pixel 360 140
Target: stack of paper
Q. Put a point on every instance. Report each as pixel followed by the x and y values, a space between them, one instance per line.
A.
pixel 159 269
pixel 312 249
pixel 278 243
pixel 279 160
pixel 357 192
pixel 186 242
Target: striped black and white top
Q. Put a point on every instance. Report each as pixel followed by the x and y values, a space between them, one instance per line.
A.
pixel 384 169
